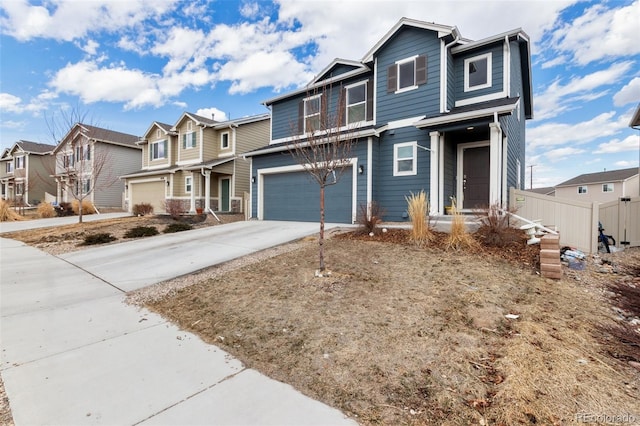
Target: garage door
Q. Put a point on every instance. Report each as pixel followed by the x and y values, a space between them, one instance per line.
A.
pixel 148 192
pixel 295 196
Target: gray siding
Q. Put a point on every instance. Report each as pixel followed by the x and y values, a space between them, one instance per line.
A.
pixel 119 160
pixel 497 72
pixel 515 125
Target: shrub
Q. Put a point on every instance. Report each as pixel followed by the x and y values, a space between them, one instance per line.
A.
pixel 142 209
pixel 87 207
pixel 418 209
pixel 495 230
pixel 369 217
pixel 101 238
pixel 141 231
pixel 6 212
pixel 177 227
pixel 64 209
pixel 46 210
pixel 173 208
pixel 459 238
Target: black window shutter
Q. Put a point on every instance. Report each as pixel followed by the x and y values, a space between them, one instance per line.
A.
pixel 324 112
pixel 369 109
pixel 343 107
pixel 392 78
pixel 166 148
pixel 301 117
pixel 421 70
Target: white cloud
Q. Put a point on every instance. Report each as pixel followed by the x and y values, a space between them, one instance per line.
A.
pixel 250 10
pixel 560 154
pixel 630 143
pixel 554 134
pixel 213 113
pixel 15 104
pixel 628 94
pixel 626 164
pixel 13 125
pixel 90 47
pixel 558 60
pixel 9 102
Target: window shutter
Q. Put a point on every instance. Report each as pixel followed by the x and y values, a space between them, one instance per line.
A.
pixel 184 141
pixel 392 78
pixel 150 147
pixel 166 148
pixel 324 113
pixel 343 107
pixel 301 117
pixel 369 109
pixel 421 70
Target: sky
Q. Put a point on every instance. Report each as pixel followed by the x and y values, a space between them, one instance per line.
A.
pixel 123 64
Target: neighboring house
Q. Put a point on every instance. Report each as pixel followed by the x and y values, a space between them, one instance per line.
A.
pixel 196 162
pixel 432 110
pixel 547 190
pixel 601 187
pixel 89 161
pixel 25 170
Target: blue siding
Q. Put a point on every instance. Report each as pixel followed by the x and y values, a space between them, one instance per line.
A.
pixel 284 118
pixel 425 100
pixel 451 81
pixel 497 72
pixel 514 125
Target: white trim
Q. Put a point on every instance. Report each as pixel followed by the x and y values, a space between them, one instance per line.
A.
pixel 375 90
pixel 220 193
pixel 188 178
pixel 483 98
pixel 414 158
pixel 188 162
pixel 612 187
pixel 304 111
pixel 411 59
pixel 369 171
pixel 488 56
pixel 222 147
pixel 506 67
pixel 405 122
pixel 346 102
pixel 434 167
pixel 452 118
pixel 302 140
pixel 460 167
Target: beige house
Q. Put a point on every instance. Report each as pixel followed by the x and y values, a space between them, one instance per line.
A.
pixel 601 187
pixel 196 163
pixel 25 170
pixel 88 163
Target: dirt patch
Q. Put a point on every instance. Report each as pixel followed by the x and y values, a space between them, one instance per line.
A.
pixel 401 335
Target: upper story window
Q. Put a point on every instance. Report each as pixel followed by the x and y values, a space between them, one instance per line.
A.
pixel 158 150
pixel 407 74
pixel 356 103
pixel 404 159
pixel 312 113
pixel 67 160
pixel 19 162
pixel 83 153
pixel 189 140
pixel 582 190
pixel 224 140
pixel 477 72
pixel 9 167
pixel 607 187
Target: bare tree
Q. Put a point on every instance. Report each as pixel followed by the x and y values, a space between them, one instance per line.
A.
pixel 321 143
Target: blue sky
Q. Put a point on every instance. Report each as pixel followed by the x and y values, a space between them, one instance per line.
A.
pixel 127 63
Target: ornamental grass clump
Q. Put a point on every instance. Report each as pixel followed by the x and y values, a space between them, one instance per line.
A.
pixel 7 214
pixel 46 210
pixel 418 209
pixel 459 238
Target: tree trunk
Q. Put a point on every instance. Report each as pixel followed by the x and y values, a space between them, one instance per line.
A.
pixel 321 239
pixel 79 211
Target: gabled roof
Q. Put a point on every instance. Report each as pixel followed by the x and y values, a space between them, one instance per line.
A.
pixel 99 134
pixel 240 121
pixel 471 112
pixel 443 30
pixel 601 177
pixel 166 128
pixel 142 173
pixel 493 39
pixel 635 121
pixel 32 147
pixel 547 190
pixel 354 65
pixel 200 121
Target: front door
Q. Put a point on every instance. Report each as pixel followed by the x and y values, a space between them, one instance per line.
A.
pixel 475 177
pixel 225 187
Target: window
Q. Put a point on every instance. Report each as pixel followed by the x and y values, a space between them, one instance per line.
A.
pixel 83 152
pixel 85 186
pixel 607 187
pixel 356 103
pixel 312 114
pixel 407 74
pixel 477 72
pixel 67 160
pixel 9 167
pixel 19 162
pixel 158 150
pixel 518 174
pixel 187 184
pixel 224 140
pixel 404 159
pixel 189 140
pixel 19 188
pixel 189 126
pixel 582 190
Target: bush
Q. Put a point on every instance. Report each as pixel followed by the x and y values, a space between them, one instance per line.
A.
pixel 101 238
pixel 459 238
pixel 177 227
pixel 6 212
pixel 142 209
pixel 64 209
pixel 173 208
pixel 495 230
pixel 141 231
pixel 418 209
pixel 46 210
pixel 369 217
pixel 87 207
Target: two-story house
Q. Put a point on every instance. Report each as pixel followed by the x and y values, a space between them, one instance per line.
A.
pixel 601 187
pixel 196 162
pixel 89 161
pixel 428 109
pixel 25 170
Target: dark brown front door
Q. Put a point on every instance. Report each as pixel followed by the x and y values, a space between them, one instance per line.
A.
pixel 475 179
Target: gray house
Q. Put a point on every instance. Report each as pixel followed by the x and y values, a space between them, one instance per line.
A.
pixel 25 173
pixel 429 109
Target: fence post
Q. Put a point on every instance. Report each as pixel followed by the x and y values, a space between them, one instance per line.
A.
pixel 593 232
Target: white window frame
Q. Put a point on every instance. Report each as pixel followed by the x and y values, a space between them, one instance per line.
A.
pixel 20 162
pixel 607 187
pixel 86 185
pixel 518 174
pixel 488 57
pixel 9 168
pixel 151 148
pixel 19 188
pixel 414 158
pixel 190 140
pixel 363 102
pixel 222 141
pixel 188 184
pixel 582 189
pixel 398 64
pixel 314 114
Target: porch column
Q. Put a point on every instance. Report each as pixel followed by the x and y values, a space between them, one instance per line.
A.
pixel 192 207
pixel 433 179
pixel 495 163
pixel 207 190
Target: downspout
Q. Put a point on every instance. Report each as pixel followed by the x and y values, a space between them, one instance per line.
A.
pixel 443 59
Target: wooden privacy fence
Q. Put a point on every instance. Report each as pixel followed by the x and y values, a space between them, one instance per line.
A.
pixel 621 220
pixel 576 221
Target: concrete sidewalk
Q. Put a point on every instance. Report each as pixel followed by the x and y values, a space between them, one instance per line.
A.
pixel 21 225
pixel 74 353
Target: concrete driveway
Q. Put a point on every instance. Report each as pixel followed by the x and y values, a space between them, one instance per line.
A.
pixel 74 353
pixel 21 225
